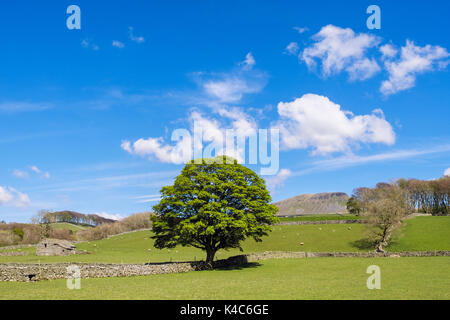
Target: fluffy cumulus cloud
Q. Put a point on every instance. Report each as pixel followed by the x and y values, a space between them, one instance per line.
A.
pixel 413 60
pixel 212 138
pixel 338 49
pixel 313 121
pixel 447 172
pixel 335 50
pixel 388 51
pixel 10 196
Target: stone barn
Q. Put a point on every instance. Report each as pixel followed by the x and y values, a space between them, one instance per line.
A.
pixel 55 247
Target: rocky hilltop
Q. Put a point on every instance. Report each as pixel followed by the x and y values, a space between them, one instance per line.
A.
pixel 318 203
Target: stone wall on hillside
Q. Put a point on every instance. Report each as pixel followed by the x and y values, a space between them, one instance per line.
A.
pixel 285 223
pixel 13 253
pixel 17 246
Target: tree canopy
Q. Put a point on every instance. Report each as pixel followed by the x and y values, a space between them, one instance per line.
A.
pixel 213 204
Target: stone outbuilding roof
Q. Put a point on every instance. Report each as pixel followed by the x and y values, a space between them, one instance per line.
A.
pixel 51 247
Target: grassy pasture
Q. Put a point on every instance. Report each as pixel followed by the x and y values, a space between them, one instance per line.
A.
pixel 134 247
pixel 316 278
pixel 417 234
pixel 422 234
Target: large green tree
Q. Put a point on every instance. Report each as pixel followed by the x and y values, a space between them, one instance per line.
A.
pixel 213 204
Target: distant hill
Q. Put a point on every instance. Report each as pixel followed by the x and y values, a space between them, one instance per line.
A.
pixel 319 203
pixel 76 218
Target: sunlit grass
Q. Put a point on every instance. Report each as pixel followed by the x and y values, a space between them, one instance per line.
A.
pixel 311 278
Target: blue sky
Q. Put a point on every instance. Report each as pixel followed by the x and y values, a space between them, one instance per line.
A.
pixel 86 116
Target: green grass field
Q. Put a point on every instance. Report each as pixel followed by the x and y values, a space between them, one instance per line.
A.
pixel 310 278
pixel 418 234
pixel 134 247
pixel 422 234
pixel 316 278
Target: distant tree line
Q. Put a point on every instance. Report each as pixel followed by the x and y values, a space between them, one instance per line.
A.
pixel 384 206
pixel 432 196
pixel 422 196
pixel 45 216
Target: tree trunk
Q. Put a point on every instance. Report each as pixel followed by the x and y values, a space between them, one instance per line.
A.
pixel 382 242
pixel 210 253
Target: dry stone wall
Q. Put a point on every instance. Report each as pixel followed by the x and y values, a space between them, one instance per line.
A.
pixel 34 272
pixel 14 253
pixel 285 223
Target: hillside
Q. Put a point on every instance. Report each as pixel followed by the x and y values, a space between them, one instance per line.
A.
pixel 75 218
pixel 318 203
pixel 417 234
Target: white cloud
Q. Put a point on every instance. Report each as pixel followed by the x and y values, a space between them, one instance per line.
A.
pixel 126 145
pixel 148 198
pixel 301 29
pixel 363 69
pixel 278 180
pixel 292 48
pixel 230 87
pixel 118 44
pixel 5 195
pixel 22 106
pixel 315 121
pixel 154 147
pixel 413 60
pixel 351 160
pixel 340 50
pixel 20 174
pixel 10 196
pixel 134 38
pixel 249 61
pixel 388 51
pixel 35 169
pixel 213 133
pixel 447 172
pixel 40 172
pixel 86 43
pixel 109 216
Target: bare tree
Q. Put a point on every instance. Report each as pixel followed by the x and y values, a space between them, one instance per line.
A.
pixel 384 213
pixel 40 217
